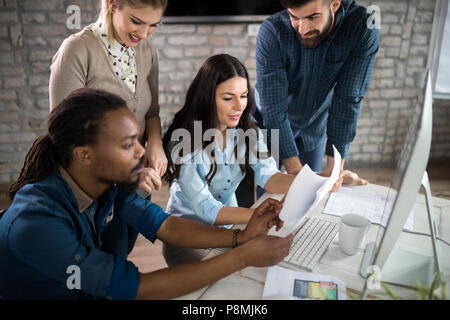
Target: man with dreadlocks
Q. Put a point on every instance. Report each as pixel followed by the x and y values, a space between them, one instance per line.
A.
pixel 61 237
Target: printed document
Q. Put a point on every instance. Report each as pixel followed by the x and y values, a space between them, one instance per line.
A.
pixel 286 284
pixel 307 190
pixel 370 204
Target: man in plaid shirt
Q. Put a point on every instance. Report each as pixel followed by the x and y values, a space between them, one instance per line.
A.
pixel 314 62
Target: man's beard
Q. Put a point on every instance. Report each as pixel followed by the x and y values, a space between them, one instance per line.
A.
pixel 130 187
pixel 311 43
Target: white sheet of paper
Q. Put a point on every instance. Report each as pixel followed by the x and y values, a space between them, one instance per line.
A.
pixel 280 283
pixel 305 192
pixel 371 205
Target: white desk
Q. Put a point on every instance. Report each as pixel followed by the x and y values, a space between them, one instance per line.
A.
pixel 249 282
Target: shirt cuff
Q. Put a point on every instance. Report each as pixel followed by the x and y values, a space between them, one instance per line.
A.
pixel 124 281
pixel 210 210
pixel 343 149
pixel 267 169
pixel 262 180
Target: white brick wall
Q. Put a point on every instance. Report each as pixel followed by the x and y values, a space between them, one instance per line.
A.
pixel 31 31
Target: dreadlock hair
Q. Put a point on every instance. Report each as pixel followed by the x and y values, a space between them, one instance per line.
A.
pixel 75 122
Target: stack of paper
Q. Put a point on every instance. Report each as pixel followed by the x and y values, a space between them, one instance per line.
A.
pixel 307 190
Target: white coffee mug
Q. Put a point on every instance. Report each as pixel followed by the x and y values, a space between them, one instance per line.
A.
pixel 352 231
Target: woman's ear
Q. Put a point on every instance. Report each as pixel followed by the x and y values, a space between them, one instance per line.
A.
pixel 112 5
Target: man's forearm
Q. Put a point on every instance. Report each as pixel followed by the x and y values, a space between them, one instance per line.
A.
pixel 233 215
pixel 292 165
pixel 179 231
pixel 330 163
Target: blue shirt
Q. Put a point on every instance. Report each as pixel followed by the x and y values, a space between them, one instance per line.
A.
pixel 308 93
pixel 191 196
pixel 52 226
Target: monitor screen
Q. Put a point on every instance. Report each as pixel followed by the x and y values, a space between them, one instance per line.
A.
pixel 402 194
pixel 403 162
pixel 202 11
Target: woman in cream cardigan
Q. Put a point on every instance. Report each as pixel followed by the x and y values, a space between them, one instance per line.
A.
pixel 113 54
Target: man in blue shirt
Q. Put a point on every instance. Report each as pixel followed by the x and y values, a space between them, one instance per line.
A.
pixel 314 62
pixel 75 215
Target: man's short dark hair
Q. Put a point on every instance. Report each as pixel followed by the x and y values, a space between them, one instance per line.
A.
pixel 296 3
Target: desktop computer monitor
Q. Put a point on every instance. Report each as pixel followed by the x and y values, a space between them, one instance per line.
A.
pixel 391 261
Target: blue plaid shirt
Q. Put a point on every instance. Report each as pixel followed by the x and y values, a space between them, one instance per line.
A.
pixel 312 92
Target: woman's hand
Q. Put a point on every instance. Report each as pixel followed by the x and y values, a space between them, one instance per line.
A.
pixel 263 218
pixel 156 157
pixel 150 180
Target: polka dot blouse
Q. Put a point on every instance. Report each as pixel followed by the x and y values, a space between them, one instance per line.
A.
pixel 122 58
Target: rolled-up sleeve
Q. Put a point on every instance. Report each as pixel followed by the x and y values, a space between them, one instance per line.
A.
pixel 124 281
pixel 141 213
pixel 194 191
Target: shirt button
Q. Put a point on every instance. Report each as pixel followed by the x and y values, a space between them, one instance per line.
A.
pixel 77 257
pixel 228 181
pixel 220 197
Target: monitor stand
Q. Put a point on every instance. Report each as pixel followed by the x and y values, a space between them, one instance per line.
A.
pixel 405 267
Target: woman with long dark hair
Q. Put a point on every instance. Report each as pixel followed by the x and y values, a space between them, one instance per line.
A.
pixel 212 145
pixel 64 235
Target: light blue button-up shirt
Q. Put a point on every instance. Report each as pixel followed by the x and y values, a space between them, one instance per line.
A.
pixel 190 195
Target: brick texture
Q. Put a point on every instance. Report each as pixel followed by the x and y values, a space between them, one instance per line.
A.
pixel 31 31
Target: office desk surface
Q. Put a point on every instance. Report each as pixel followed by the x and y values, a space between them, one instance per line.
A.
pixel 249 282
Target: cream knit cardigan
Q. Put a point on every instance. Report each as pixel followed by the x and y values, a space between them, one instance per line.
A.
pixel 82 61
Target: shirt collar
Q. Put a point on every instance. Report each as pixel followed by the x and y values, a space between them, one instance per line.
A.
pixel 113 47
pixel 83 200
